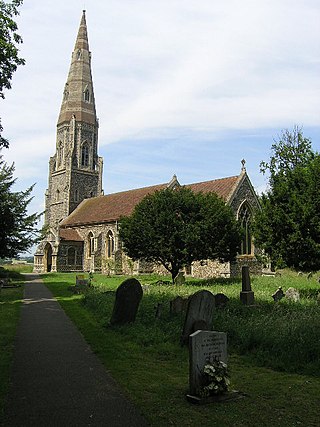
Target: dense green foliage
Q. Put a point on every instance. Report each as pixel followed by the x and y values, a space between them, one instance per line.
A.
pixel 17 228
pixel 288 225
pixel 9 54
pixel 176 227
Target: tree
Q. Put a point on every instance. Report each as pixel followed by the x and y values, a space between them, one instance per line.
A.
pixel 9 53
pixel 176 227
pixel 288 225
pixel 17 228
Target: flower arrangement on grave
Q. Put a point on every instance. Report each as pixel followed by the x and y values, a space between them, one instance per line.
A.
pixel 216 379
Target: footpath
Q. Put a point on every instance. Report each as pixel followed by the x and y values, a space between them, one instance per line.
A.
pixel 56 379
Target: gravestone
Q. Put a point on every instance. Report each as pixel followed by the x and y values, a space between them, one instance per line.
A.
pixel 293 294
pixel 278 295
pixel 128 297
pixel 246 295
pixel 178 305
pixel 221 300
pixel 199 314
pixel 6 284
pixel 158 310
pixel 180 279
pixel 81 281
pixel 204 348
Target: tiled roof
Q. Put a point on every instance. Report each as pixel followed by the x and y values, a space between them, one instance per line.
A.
pixel 222 187
pixel 69 234
pixel 111 207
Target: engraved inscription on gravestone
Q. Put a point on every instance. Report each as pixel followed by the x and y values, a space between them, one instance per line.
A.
pixel 204 347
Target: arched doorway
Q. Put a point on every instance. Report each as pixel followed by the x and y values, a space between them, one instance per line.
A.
pixel 48 257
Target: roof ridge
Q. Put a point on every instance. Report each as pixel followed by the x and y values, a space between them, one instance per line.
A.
pixel 136 189
pixel 212 180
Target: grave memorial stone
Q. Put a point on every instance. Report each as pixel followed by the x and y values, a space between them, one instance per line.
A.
pixel 178 305
pixel 278 295
pixel 221 300
pixel 246 295
pixel 81 284
pixel 128 297
pixel 293 294
pixel 204 348
pixel 180 279
pixel 199 314
pixel 81 281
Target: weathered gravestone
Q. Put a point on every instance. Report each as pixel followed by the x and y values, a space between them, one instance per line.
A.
pixel 80 286
pixel 278 295
pixel 292 294
pixel 180 279
pixel 246 295
pixel 178 305
pixel 199 314
pixel 221 300
pixel 81 281
pixel 128 297
pixel 204 348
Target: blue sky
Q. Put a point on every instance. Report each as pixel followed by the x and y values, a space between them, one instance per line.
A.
pixel 186 87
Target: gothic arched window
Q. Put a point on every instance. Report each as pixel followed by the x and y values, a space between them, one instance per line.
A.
pixel 109 244
pixel 85 154
pixel 245 218
pixel 66 92
pixel 90 242
pixel 60 153
pixel 86 95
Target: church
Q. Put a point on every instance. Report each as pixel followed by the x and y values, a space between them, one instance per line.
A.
pixel 82 224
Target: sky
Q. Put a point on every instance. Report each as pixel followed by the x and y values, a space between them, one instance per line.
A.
pixel 185 87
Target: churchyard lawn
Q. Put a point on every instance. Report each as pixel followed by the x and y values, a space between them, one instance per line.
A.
pixel 273 348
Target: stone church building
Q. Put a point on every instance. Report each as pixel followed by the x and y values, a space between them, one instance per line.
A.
pixel 82 223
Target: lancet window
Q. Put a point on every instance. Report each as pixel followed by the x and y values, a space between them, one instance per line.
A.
pixel 245 219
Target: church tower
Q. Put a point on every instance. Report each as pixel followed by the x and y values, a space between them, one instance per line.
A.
pixel 75 170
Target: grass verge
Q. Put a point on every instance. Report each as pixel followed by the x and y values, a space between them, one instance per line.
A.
pixel 10 304
pixel 147 361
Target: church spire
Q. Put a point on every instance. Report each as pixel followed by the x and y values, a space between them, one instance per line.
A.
pixel 82 38
pixel 78 97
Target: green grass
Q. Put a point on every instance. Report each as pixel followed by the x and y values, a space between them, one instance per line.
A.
pixel 18 268
pixel 10 303
pixel 148 362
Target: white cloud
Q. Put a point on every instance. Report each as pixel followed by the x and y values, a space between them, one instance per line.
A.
pixel 172 68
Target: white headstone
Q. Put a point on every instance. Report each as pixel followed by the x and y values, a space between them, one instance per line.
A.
pixel 204 348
